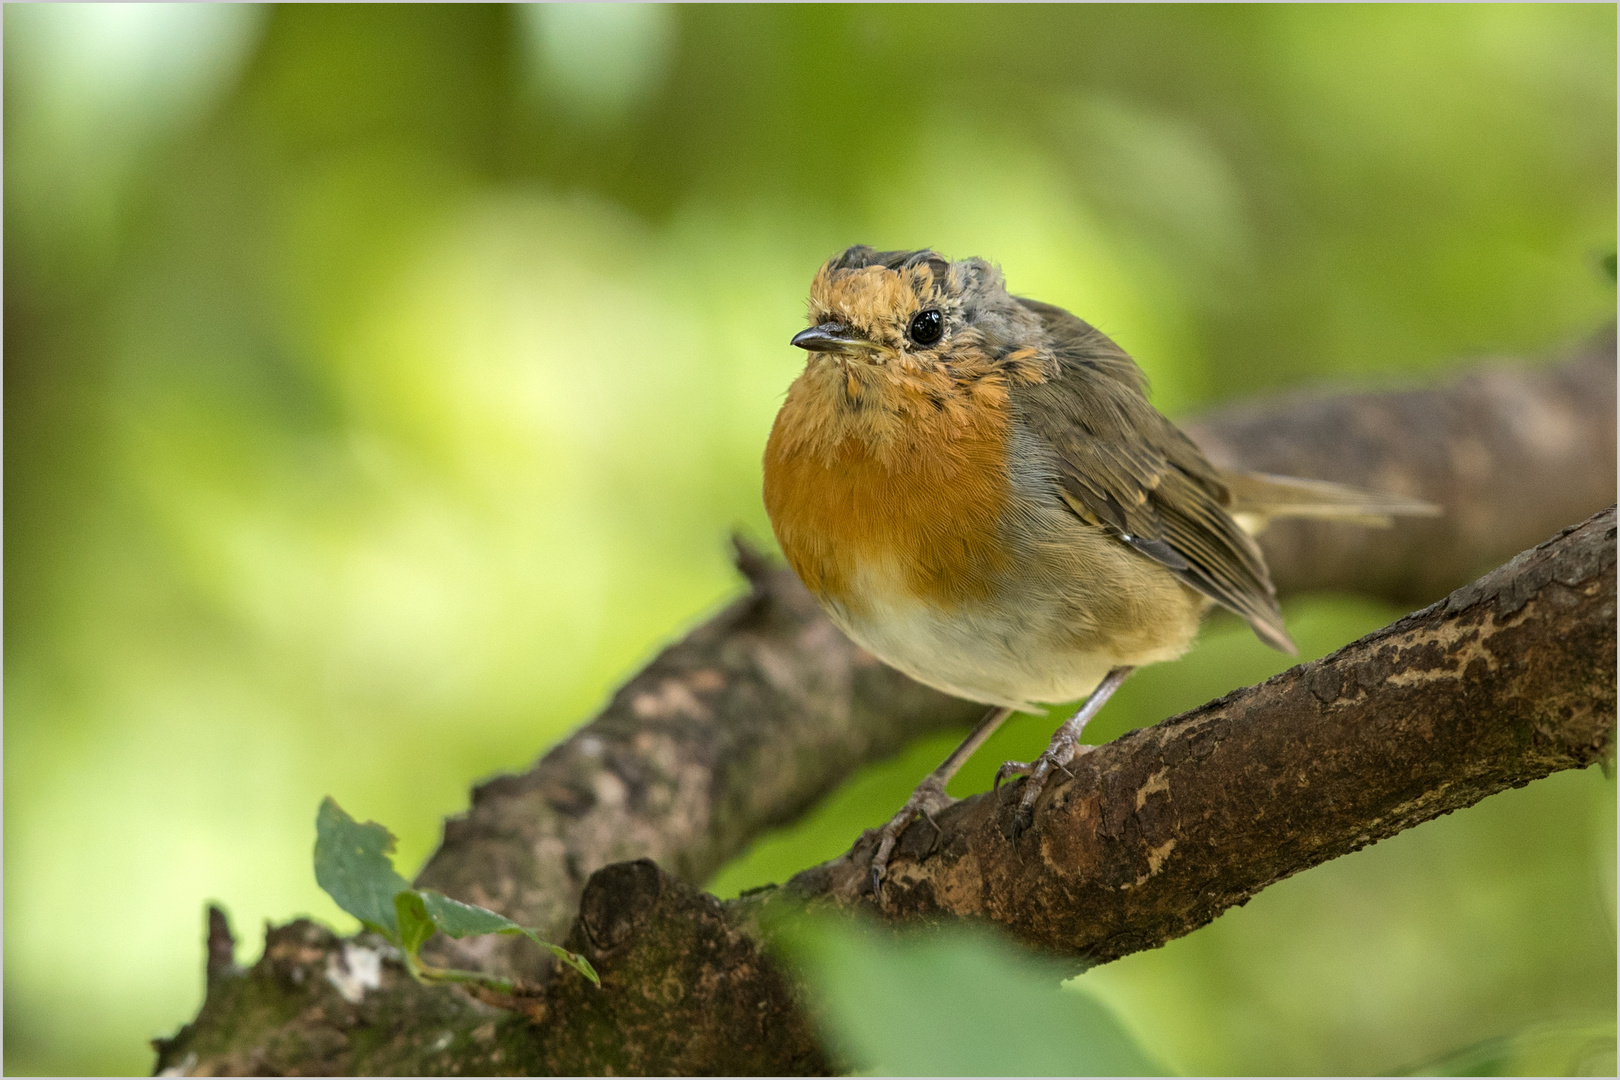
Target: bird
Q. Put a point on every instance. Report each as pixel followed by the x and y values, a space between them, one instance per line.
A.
pixel 976 489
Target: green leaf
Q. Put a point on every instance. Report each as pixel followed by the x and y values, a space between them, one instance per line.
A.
pixel 955 1002
pixel 415 926
pixel 460 920
pixel 573 960
pixel 352 864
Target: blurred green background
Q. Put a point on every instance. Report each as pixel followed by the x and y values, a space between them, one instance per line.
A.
pixel 381 383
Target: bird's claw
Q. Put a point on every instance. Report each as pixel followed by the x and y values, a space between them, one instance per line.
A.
pixel 928 798
pixel 1057 756
pixel 1010 768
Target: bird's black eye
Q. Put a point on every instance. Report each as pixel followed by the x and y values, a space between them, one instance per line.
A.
pixel 926 326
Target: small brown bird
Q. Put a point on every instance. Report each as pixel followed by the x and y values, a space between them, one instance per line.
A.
pixel 976 489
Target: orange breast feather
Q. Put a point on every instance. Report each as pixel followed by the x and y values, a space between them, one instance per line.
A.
pixel 900 482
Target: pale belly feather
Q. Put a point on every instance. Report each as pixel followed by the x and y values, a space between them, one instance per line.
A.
pixel 1044 639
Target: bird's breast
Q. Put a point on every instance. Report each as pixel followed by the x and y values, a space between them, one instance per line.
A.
pixel 875 506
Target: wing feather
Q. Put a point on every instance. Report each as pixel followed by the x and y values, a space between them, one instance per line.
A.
pixel 1124 467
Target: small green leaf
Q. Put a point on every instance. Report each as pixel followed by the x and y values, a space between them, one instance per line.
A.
pixel 352 864
pixel 460 920
pixel 573 960
pixel 415 927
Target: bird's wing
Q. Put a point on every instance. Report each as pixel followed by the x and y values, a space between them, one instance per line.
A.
pixel 1124 467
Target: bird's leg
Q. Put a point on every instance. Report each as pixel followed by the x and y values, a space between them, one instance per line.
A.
pixel 1059 752
pixel 929 795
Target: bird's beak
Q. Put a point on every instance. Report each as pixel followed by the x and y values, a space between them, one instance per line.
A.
pixel 830 337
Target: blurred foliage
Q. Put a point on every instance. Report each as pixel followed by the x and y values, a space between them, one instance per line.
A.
pixel 381 381
pixel 1543 1050
pixel 953 1002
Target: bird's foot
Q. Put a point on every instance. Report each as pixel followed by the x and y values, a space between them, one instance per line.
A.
pixel 1062 750
pixel 928 799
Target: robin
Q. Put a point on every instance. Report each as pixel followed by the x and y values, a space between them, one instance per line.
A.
pixel 975 488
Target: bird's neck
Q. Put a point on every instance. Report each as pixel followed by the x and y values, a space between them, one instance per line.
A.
pixel 891 413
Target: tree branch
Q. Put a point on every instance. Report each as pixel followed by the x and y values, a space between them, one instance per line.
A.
pixel 756 714
pixel 1505 681
pixel 748 721
pixel 739 727
pixel 1511 454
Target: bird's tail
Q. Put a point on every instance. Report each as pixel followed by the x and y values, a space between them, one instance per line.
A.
pixel 1257 499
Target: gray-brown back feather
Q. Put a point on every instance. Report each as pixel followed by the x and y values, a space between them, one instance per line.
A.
pixel 1123 466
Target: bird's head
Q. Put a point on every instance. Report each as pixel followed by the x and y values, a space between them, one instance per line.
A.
pixel 909 312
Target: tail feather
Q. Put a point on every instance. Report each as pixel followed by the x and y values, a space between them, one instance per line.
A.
pixel 1259 498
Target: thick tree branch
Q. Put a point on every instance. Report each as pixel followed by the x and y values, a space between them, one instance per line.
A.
pixel 750 719
pixel 739 727
pixel 1505 681
pixel 1511 454
pixel 756 714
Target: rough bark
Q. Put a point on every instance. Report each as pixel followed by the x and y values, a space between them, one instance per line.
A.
pixel 685 990
pixel 1505 681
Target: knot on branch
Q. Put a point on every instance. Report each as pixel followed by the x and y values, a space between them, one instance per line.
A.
pixel 685 988
pixel 617 902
